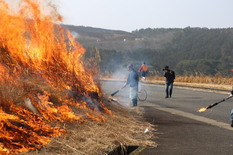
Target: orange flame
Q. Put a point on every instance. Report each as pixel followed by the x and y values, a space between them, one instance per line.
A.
pixel 41 76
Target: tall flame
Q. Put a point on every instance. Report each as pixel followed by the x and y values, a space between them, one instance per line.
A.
pixel 41 76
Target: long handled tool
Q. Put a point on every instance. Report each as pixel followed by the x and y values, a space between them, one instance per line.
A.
pixel 212 105
pixel 114 93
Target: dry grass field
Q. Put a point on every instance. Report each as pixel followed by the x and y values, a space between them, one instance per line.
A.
pixel 215 82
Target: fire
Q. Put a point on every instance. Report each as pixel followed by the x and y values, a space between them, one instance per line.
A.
pixel 202 109
pixel 41 76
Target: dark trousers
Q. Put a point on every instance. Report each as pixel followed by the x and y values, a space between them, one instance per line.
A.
pixel 134 95
pixel 144 74
pixel 135 102
pixel 168 88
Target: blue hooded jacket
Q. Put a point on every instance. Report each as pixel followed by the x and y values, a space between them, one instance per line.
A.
pixel 133 78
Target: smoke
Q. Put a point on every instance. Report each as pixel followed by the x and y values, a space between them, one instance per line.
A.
pixel 121 73
pixel 13 5
pixel 46 7
pixel 75 34
pixel 115 82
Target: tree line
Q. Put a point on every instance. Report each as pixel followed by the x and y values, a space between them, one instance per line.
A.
pixel 188 51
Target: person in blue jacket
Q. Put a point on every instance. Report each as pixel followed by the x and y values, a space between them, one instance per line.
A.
pixel 132 81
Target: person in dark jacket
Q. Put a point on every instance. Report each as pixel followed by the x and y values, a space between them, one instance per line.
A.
pixel 170 76
pixel 132 81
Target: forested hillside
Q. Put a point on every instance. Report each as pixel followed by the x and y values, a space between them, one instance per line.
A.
pixel 188 51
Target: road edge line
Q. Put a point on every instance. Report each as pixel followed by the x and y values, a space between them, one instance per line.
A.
pixel 193 116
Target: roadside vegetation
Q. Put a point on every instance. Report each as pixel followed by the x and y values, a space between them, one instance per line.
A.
pixel 217 79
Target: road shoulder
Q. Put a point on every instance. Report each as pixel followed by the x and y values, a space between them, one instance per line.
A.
pixel 181 135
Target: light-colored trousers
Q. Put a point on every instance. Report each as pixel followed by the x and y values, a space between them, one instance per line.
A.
pixel 133 92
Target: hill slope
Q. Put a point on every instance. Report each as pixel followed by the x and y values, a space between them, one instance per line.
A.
pixel 189 51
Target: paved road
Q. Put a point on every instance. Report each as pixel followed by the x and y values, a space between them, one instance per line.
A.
pixel 181 129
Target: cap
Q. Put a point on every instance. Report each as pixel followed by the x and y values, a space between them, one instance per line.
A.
pixel 166 68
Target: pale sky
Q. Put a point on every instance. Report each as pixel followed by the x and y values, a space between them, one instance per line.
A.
pixel 129 15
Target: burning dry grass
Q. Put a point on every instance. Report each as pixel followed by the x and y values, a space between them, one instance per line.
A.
pixel 124 128
pixel 82 129
pixel 44 87
pixel 45 91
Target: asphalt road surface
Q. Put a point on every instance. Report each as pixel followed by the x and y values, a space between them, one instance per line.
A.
pixel 181 130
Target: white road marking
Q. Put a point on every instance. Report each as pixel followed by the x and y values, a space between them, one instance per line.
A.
pixel 192 116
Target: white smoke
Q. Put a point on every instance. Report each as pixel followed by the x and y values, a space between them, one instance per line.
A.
pixel 75 34
pixel 115 82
